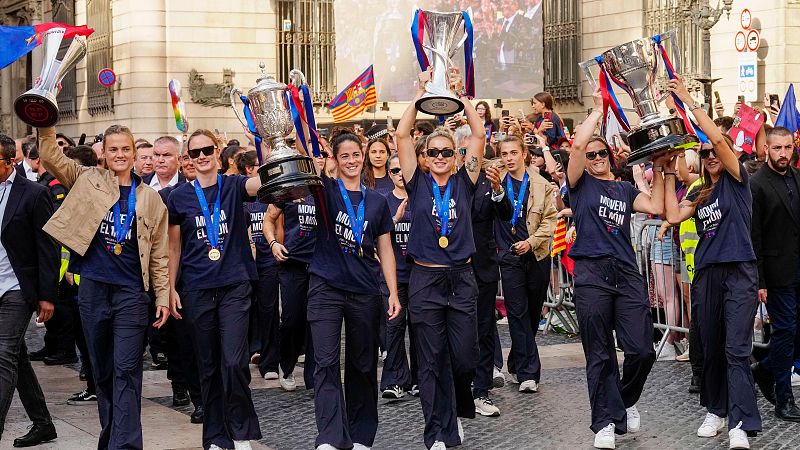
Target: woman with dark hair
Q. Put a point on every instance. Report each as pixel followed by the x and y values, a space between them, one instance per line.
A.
pixel 725 282
pixel 442 288
pixel 375 175
pixel 353 249
pixel 610 293
pixel 119 228
pixel 547 122
pixel 208 242
pixel 227 160
pixel 485 113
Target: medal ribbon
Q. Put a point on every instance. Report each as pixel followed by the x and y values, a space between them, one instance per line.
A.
pixel 212 218
pixel 442 203
pixel 121 229
pixel 609 98
pixel 520 197
pixel 251 125
pixel 690 125
pixel 303 113
pixel 356 220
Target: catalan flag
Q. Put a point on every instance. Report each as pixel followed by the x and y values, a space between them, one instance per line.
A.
pixel 355 98
pixel 560 237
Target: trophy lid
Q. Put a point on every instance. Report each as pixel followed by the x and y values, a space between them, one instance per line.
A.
pixel 266 82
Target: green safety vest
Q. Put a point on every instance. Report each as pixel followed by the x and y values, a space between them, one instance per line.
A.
pixel 689 237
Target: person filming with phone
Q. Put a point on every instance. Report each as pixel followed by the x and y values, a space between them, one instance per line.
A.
pixel 547 122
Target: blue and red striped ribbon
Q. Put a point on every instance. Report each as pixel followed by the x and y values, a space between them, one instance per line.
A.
pixel 609 98
pixel 251 125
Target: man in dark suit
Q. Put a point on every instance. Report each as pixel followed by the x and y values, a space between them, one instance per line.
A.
pixel 28 282
pixel 776 241
pixel 513 37
pixel 166 159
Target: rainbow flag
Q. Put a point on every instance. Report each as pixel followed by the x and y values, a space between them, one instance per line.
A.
pixel 355 98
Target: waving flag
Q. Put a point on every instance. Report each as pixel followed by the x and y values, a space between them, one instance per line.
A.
pixel 355 98
pixel 789 117
pixel 16 42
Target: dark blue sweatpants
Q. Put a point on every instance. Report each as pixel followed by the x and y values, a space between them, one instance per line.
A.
pixel 115 319
pixel 525 282
pixel 267 321
pixel 487 339
pixel 220 320
pixel 727 297
pixel 350 415
pixel 784 344
pixel 295 333
pixel 443 302
pixel 611 296
pixel 396 366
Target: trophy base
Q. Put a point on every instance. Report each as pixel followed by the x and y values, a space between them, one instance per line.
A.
pixel 36 109
pixel 652 140
pixel 439 105
pixel 287 178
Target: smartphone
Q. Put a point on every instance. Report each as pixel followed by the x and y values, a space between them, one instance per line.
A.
pixel 529 139
pixel 740 99
pixel 389 123
pixel 498 136
pixel 520 113
pixel 557 157
pixel 504 113
pixel 548 116
pixel 716 96
pixel 774 101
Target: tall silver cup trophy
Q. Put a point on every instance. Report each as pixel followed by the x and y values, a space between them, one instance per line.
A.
pixel 635 67
pixel 38 107
pixel 446 33
pixel 285 174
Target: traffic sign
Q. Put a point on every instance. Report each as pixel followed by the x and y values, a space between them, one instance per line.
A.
pixel 753 40
pixel 746 19
pixel 740 42
pixel 748 76
pixel 106 77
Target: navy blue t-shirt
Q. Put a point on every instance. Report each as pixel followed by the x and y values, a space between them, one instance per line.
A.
pixel 424 238
pixel 101 264
pixel 299 228
pixel 255 212
pixel 724 221
pixel 384 185
pixel 400 237
pixel 336 256
pixel 236 262
pixel 602 211
pixel 502 228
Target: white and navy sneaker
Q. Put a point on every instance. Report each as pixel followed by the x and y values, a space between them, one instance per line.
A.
pixel 393 392
pixel 82 398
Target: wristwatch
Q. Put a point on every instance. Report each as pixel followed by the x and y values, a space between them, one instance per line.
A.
pixel 694 106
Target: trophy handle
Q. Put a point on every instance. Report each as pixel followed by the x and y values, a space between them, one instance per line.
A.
pixel 585 66
pixel 236 93
pixel 76 51
pixel 675 58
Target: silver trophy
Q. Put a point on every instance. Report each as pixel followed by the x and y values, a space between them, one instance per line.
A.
pixel 38 107
pixel 446 33
pixel 285 174
pixel 635 66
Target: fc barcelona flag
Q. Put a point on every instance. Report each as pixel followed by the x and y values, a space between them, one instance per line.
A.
pixel 355 98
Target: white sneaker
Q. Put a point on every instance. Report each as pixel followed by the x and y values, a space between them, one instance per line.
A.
pixel 738 437
pixel 460 430
pixel 498 379
pixel 667 353
pixel 683 357
pixel 529 386
pixel 438 445
pixel 301 360
pixel 795 378
pixel 414 392
pixel 287 383
pixel 215 447
pixel 242 445
pixel 485 407
pixel 326 447
pixel 634 419
pixel 605 437
pixel 711 425
pixel 357 446
pixel 512 377
pixel 271 376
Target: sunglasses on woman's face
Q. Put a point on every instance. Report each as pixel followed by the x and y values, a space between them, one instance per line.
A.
pixel 445 152
pixel 394 170
pixel 194 153
pixel 591 156
pixel 706 153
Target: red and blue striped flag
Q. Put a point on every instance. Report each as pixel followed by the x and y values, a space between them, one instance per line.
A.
pixel 16 42
pixel 355 98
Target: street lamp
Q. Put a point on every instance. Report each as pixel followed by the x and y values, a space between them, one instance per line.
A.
pixel 705 17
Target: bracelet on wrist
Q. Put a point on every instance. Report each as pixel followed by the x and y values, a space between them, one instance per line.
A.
pixel 272 242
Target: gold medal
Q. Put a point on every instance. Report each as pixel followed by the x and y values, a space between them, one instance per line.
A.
pixel 360 252
pixel 214 254
pixel 443 242
pixel 117 249
pixel 513 229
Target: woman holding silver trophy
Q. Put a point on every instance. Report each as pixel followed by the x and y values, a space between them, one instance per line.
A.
pixel 442 288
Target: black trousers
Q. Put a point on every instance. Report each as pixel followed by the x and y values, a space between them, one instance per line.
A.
pixel 80 341
pixel 295 333
pixel 265 320
pixel 784 344
pixel 396 370
pixel 178 339
pixel 219 318
pixel 350 415
pixel 15 367
pixel 612 296
pixel 487 339
pixel 443 303
pixel 61 329
pixel 525 282
pixel 728 298
pixel 115 319
pixel 695 343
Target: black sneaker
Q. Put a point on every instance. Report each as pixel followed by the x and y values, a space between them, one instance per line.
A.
pixel 180 397
pixel 160 362
pixel 82 398
pixel 393 392
pixel 39 355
